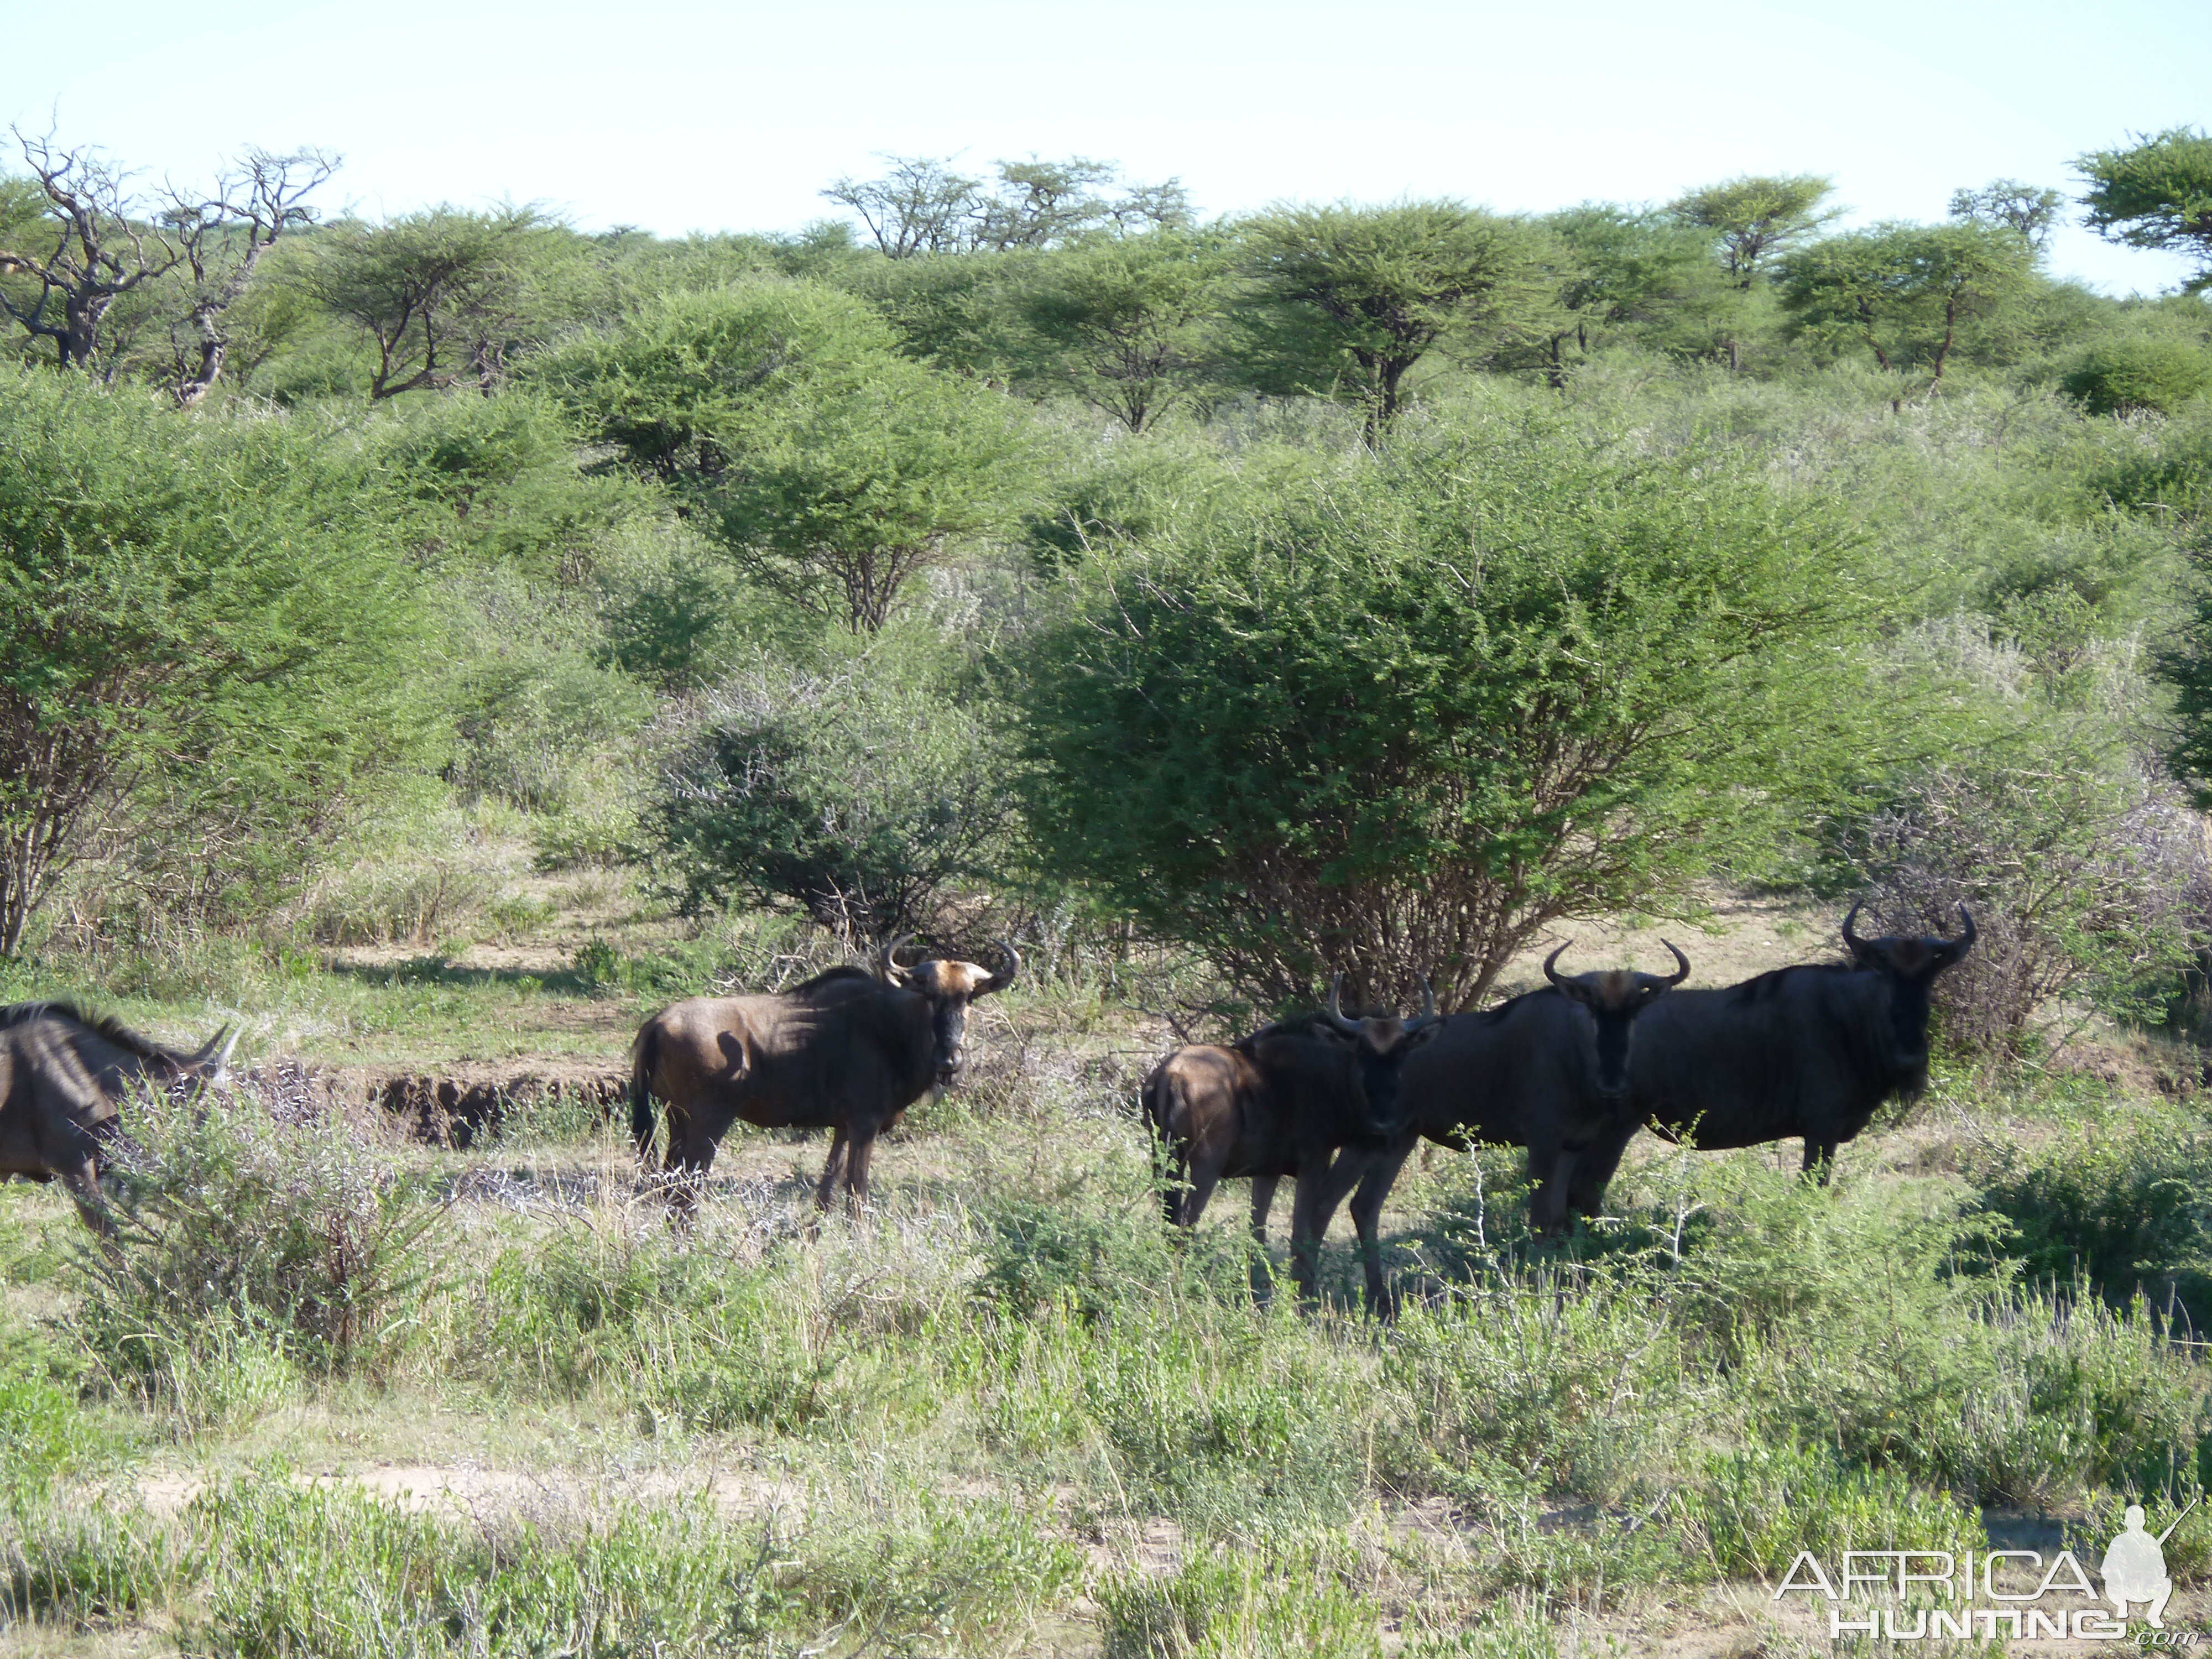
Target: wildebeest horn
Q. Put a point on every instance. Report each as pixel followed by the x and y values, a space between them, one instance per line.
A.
pixel 1965 942
pixel 223 1060
pixel 1851 938
pixel 1682 963
pixel 1004 975
pixel 889 960
pixel 1428 1016
pixel 1336 1012
pixel 1551 972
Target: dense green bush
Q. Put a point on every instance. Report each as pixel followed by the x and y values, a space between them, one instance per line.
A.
pixel 863 793
pixel 2133 377
pixel 1394 721
pixel 2127 1210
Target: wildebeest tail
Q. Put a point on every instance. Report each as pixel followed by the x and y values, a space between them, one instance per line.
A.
pixel 644 1054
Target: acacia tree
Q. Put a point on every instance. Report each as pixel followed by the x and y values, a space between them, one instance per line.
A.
pixel 436 292
pixel 1344 301
pixel 224 237
pixel 922 206
pixel 90 250
pixel 1905 292
pixel 2156 193
pixel 1130 324
pixel 1755 218
pixel 2029 209
pixel 1394 722
pixel 841 488
pixel 189 611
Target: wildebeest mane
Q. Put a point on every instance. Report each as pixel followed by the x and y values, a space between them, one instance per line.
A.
pixel 831 976
pixel 105 1025
pixel 1760 986
pixel 1492 1016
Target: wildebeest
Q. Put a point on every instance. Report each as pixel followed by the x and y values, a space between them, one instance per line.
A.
pixel 63 1071
pixel 846 1051
pixel 1278 1102
pixel 1810 1050
pixel 1547 1070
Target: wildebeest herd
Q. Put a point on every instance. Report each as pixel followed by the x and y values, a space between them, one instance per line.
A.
pixel 1571 1071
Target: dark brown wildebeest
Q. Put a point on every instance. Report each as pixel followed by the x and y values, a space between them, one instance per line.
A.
pixel 846 1051
pixel 1278 1102
pixel 62 1072
pixel 1811 1050
pixel 1547 1070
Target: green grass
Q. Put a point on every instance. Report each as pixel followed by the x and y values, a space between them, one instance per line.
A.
pixel 1008 1413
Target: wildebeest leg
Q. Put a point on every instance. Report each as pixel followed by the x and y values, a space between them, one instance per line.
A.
pixel 1305 1236
pixel 863 1148
pixel 1551 1167
pixel 1205 1176
pixel 1377 1174
pixel 1594 1170
pixel 1819 1159
pixel 833 1171
pixel 1263 1200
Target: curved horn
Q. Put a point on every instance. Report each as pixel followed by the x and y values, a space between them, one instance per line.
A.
pixel 887 962
pixel 214 1051
pixel 1428 1016
pixel 1004 976
pixel 1682 963
pixel 1965 942
pixel 1851 938
pixel 1351 1027
pixel 223 1060
pixel 1552 973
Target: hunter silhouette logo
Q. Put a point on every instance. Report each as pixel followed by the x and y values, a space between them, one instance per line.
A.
pixel 1984 1594
pixel 2135 1567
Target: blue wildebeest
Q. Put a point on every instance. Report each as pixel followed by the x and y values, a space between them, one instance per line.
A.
pixel 1547 1070
pixel 848 1051
pixel 1812 1050
pixel 1280 1102
pixel 63 1071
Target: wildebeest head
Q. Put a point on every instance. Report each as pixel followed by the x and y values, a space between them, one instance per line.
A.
pixel 1908 963
pixel 949 985
pixel 1615 996
pixel 1381 1042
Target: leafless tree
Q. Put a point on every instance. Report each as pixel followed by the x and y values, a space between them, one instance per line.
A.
pixel 99 251
pixel 920 206
pixel 223 237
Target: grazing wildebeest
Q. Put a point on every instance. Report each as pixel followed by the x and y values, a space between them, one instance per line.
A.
pixel 1547 1070
pixel 846 1051
pixel 62 1072
pixel 1278 1102
pixel 1811 1050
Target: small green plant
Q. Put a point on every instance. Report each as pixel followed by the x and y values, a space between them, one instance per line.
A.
pixel 246 1247
pixel 1236 1603
pixel 2131 377
pixel 1755 1508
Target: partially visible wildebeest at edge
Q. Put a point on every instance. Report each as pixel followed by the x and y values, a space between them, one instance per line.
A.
pixel 1280 1101
pixel 846 1051
pixel 1547 1070
pixel 1811 1050
pixel 62 1072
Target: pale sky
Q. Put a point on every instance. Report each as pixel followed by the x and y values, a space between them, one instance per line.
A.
pixel 691 116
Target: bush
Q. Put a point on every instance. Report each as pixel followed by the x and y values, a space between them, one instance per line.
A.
pixel 2129 1211
pixel 1756 1509
pixel 2130 377
pixel 1330 727
pixel 249 1246
pixel 864 795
